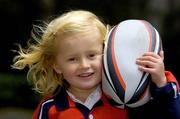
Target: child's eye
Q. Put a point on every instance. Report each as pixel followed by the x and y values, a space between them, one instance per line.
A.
pixel 72 59
pixel 92 55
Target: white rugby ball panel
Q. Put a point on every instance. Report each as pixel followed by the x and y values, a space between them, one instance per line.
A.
pixel 120 49
pixel 127 48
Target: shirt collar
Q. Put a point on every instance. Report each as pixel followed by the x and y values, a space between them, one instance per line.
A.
pixel 91 100
pixel 63 100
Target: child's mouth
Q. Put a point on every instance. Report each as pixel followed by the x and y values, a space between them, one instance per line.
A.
pixel 85 75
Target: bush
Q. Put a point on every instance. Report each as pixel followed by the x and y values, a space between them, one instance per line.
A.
pixel 15 91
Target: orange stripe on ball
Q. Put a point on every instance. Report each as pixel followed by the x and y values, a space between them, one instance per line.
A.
pixel 115 64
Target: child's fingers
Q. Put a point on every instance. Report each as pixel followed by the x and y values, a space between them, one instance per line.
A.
pixel 146 69
pixel 151 54
pixel 148 58
pixel 162 54
pixel 145 63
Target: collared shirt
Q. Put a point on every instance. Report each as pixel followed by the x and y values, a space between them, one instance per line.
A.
pixel 62 106
pixel 91 100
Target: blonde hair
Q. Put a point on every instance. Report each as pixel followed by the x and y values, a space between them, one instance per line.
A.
pixel 39 57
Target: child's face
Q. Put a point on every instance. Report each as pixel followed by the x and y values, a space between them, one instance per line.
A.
pixel 79 59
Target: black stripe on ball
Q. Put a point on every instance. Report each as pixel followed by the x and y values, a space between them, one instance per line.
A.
pixel 119 89
pixel 139 92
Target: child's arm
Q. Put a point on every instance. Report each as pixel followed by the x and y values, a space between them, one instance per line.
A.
pixel 168 97
pixel 166 89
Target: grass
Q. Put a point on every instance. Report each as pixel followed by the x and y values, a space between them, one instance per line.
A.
pixel 15 113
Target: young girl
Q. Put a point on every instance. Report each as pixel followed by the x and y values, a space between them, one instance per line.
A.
pixel 65 65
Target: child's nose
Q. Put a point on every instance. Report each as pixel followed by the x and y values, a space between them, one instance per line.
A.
pixel 84 63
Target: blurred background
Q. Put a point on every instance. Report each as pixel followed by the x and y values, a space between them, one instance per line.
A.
pixel 17 100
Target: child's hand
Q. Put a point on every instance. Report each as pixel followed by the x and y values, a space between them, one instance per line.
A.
pixel 153 64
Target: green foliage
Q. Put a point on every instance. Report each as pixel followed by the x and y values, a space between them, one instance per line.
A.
pixel 15 91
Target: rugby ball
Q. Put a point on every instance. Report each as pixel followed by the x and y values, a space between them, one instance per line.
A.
pixel 121 80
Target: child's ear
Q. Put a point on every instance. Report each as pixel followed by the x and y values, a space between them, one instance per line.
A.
pixel 56 68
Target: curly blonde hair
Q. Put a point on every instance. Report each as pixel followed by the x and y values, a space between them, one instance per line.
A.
pixel 39 57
